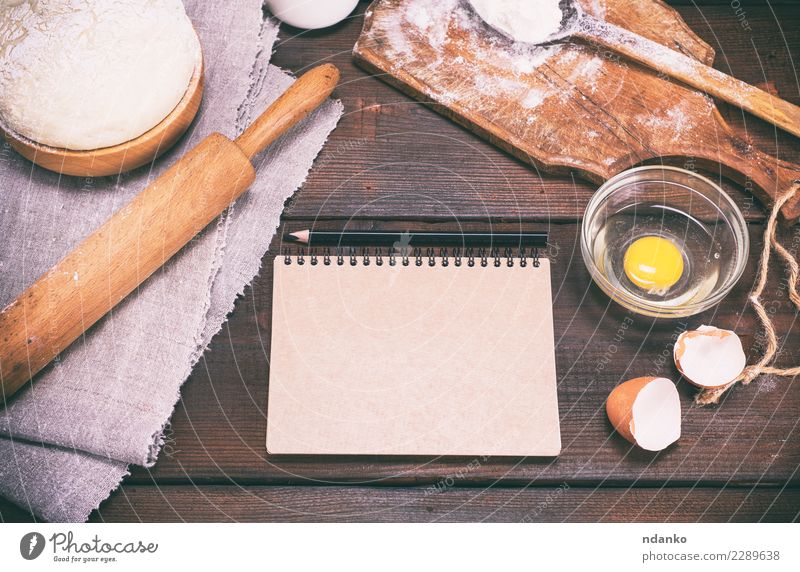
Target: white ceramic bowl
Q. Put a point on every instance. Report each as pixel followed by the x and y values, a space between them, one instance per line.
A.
pixel 311 14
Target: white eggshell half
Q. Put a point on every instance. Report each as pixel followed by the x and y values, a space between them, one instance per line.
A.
pixel 656 420
pixel 709 357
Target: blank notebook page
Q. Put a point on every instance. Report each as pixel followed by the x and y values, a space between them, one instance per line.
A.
pixel 412 360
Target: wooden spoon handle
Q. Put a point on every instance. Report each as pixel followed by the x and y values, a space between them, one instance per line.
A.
pixel 691 72
pixel 303 97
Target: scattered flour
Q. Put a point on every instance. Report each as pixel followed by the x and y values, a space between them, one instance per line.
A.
pixel 595 8
pixel 767 384
pixel 672 124
pixel 480 70
pixel 587 72
pixel 485 63
pixel 533 99
pixel 458 59
pixel 569 56
pixel 650 49
pixel 426 16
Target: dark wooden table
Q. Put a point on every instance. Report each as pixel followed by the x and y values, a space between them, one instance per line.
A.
pixel 393 163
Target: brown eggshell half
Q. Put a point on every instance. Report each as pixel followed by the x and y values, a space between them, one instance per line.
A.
pixel 647 412
pixel 619 405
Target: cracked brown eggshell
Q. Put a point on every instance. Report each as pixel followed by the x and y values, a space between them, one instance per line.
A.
pixel 646 411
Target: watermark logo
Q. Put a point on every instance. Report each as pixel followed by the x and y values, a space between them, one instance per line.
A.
pixel 403 246
pixel 31 545
pixel 67 548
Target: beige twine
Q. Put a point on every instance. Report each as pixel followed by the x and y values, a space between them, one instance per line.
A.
pixel 712 396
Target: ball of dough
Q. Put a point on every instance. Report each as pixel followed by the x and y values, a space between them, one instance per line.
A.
pixel 86 74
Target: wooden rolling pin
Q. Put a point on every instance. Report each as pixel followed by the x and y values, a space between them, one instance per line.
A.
pixel 139 238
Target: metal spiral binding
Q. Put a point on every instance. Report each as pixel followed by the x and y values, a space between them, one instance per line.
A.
pixel 456 256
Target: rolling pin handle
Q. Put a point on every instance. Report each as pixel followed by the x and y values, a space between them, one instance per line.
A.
pixel 302 97
pixel 171 210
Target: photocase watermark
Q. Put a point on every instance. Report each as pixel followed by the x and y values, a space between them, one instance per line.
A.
pixel 402 249
pixel 616 59
pixel 88 184
pixel 32 545
pixel 781 299
pixel 749 200
pixel 402 246
pixel 613 347
pixel 549 500
pixel 6 154
pixel 168 447
pixel 449 481
pixel 65 548
pixel 665 356
pixel 741 14
pixel 551 252
pixel 783 284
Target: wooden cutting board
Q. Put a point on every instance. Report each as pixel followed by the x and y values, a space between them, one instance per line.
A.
pixel 570 107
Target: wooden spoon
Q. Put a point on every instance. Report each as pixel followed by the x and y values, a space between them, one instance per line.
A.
pixel 577 24
pixel 117 158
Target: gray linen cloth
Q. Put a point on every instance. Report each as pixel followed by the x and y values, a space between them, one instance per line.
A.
pixel 66 441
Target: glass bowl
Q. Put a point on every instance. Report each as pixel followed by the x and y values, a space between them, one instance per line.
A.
pixel 688 210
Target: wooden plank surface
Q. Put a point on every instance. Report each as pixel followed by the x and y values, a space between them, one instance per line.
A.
pixel 394 159
pixel 391 157
pixel 583 110
pixel 558 503
pixel 393 163
pixel 218 431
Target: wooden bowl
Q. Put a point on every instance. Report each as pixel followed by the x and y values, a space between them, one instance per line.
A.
pixel 117 158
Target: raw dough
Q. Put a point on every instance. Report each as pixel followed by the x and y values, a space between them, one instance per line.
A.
pixel 85 74
pixel 530 21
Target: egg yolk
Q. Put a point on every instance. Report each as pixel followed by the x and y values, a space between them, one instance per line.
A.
pixel 653 263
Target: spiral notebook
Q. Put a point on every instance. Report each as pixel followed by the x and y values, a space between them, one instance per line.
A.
pixel 375 355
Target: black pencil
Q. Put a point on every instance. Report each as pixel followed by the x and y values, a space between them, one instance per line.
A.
pixel 413 238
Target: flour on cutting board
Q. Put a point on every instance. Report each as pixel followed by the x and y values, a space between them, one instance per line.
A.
pixel 486 64
pixel 456 59
pixel 534 98
pixel 595 8
pixel 588 70
pixel 676 122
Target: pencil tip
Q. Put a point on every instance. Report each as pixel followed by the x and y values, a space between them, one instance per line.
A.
pixel 299 236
